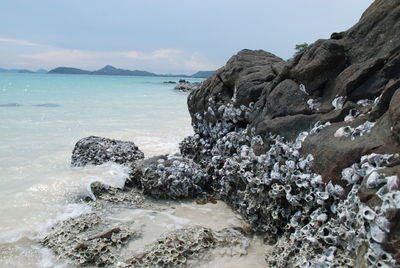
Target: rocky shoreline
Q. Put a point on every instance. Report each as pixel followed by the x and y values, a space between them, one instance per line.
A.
pixel 306 150
pixel 187 86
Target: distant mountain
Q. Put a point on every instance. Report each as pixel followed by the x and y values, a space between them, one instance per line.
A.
pixel 111 70
pixel 106 70
pixel 25 71
pixel 68 70
pixel 8 70
pixel 203 74
pixel 41 71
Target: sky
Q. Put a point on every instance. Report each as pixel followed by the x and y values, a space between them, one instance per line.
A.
pixel 162 36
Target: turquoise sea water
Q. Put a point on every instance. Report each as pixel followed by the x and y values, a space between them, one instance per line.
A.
pixel 42 116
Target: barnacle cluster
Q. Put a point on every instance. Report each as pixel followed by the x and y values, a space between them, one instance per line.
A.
pixel 341 234
pixel 88 240
pixel 361 130
pixel 275 190
pixel 187 246
pixel 314 104
pixel 315 224
pixel 97 150
pixel 170 178
pixel 339 102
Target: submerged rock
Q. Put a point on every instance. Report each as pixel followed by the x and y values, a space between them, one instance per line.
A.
pixel 89 240
pixel 49 105
pixel 102 195
pixel 97 150
pixel 187 246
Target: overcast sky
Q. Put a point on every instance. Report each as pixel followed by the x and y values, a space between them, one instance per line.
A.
pixel 163 36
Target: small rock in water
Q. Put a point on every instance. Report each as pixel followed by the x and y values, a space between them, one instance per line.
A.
pixel 12 104
pixel 187 86
pixel 49 105
pixel 97 150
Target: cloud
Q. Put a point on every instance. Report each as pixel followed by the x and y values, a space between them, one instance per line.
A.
pixel 197 62
pixel 164 60
pixel 59 55
pixel 175 57
pixel 168 53
pixel 18 42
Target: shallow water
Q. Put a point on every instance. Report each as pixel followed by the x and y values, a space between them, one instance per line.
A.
pixel 42 118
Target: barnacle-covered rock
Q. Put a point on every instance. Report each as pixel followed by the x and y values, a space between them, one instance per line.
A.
pixel 188 246
pixel 88 240
pixel 170 178
pixel 102 195
pixel 97 150
pixel 354 235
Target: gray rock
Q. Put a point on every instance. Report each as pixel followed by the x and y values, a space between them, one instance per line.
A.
pixel 169 178
pixel 97 150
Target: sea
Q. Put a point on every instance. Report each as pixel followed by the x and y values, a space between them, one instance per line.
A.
pixel 42 116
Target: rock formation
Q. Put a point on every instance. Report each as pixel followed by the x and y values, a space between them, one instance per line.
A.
pixel 340 96
pixel 306 150
pixel 285 98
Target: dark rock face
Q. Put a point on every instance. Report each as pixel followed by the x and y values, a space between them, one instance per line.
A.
pixel 96 151
pixel 286 98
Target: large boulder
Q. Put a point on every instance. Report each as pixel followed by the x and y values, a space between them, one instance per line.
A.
pixel 356 64
pixel 97 150
pixel 331 78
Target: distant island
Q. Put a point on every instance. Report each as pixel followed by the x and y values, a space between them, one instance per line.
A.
pixel 106 70
pixel 111 70
pixel 25 71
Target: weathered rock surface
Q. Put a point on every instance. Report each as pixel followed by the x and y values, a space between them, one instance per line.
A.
pixel 185 247
pixel 89 240
pixel 97 150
